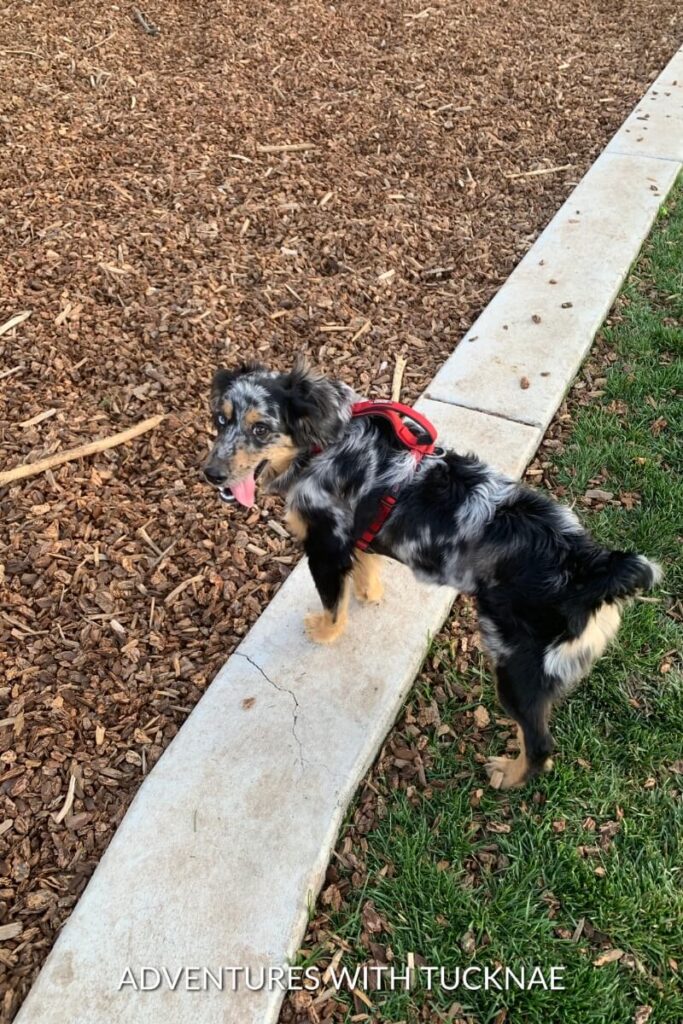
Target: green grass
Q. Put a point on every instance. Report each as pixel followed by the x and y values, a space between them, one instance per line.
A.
pixel 618 738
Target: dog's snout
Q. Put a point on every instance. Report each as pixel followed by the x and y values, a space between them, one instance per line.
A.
pixel 214 476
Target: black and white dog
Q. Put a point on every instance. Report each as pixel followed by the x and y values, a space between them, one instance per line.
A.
pixel 549 597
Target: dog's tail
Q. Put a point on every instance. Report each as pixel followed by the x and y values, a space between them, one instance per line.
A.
pixel 628 574
pixel 616 575
pixel 601 576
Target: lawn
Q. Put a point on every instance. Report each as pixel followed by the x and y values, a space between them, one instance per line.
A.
pixel 583 867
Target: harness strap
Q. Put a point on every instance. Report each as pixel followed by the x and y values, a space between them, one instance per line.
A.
pixel 386 507
pixel 393 411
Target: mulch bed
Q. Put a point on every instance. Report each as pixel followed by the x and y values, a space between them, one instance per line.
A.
pixel 153 232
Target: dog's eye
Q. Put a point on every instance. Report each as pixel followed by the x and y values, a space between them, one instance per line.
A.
pixel 260 431
pixel 221 420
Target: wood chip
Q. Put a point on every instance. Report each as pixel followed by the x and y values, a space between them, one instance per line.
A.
pixel 68 802
pixel 144 22
pixel 397 379
pixel 540 170
pixel 38 419
pixel 481 717
pixel 610 957
pixel 359 994
pixel 177 591
pixel 361 331
pixel 14 321
pixel 12 370
pixel 596 494
pixel 287 147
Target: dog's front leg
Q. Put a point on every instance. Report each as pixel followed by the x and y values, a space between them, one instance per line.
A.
pixel 330 563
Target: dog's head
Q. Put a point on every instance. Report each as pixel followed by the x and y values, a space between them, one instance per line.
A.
pixel 265 419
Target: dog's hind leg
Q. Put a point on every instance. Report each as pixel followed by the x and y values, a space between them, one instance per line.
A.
pixel 367 584
pixel 524 700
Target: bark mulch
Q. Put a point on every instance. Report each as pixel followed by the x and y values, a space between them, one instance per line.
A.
pixel 155 224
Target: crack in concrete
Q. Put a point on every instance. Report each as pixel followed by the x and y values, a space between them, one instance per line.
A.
pixel 281 689
pixel 634 153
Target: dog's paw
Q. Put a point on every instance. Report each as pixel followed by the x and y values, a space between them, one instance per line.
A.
pixel 369 591
pixel 510 772
pixel 321 629
pixel 506 772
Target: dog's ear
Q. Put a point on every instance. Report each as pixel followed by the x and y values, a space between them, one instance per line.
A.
pixel 315 408
pixel 223 379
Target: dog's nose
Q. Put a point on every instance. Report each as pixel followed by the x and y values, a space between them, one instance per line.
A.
pixel 214 476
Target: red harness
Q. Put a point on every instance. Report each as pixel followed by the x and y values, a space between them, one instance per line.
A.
pixel 393 411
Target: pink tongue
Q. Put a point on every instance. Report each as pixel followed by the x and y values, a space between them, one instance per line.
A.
pixel 245 491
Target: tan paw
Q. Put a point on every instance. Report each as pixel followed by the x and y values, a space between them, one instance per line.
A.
pixel 369 591
pixel 511 772
pixel 321 628
pixel 506 772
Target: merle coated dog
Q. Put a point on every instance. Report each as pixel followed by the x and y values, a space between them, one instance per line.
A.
pixel 549 597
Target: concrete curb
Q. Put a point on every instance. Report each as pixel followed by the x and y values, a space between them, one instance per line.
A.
pixel 523 352
pixel 227 841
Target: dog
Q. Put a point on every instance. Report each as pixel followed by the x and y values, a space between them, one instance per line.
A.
pixel 549 596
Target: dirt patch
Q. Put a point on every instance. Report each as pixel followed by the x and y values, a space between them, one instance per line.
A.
pixel 154 226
